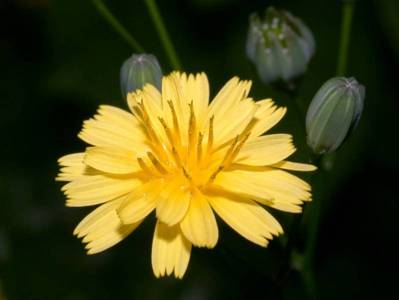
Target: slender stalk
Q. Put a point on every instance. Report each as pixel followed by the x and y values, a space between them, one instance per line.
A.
pixel 316 208
pixel 308 263
pixel 163 34
pixel 347 16
pixel 118 27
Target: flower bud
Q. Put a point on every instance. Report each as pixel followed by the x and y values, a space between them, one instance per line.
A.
pixel 334 113
pixel 138 70
pixel 280 45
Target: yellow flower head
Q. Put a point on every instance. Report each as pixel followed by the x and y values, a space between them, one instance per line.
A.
pixel 185 158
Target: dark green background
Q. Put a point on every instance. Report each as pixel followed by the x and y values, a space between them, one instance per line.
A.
pixel 59 60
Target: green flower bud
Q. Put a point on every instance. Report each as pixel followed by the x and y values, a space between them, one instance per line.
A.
pixel 334 113
pixel 138 70
pixel 280 45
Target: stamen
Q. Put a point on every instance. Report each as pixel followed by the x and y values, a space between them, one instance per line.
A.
pixel 141 112
pixel 144 166
pixel 214 174
pixel 138 113
pixel 176 157
pixel 250 125
pixel 231 153
pixel 210 135
pixel 192 115
pixel 156 163
pixel 175 120
pixel 188 176
pixel 199 146
pixel 169 134
pixel 192 135
pixel 192 124
pixel 167 130
pixel 238 148
pixel 230 150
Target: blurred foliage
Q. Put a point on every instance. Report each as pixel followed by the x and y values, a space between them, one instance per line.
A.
pixel 60 60
pixel 388 11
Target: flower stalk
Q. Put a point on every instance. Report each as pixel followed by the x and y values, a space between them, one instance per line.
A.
pixel 316 208
pixel 347 16
pixel 116 25
pixel 163 34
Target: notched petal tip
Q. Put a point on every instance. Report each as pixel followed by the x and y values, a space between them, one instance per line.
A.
pixel 294 166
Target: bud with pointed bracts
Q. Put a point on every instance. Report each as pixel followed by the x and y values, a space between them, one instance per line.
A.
pixel 334 113
pixel 280 45
pixel 139 70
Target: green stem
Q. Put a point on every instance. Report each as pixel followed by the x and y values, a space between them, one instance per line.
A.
pixel 313 211
pixel 347 16
pixel 163 34
pixel 118 27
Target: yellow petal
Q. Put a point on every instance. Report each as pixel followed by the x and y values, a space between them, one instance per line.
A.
pixel 195 89
pixel 234 121
pixel 173 87
pixel 71 159
pixel 231 109
pixel 112 160
pixel 72 167
pixel 246 217
pixel 267 116
pixel 229 96
pixel 275 188
pixel 153 94
pixel 102 229
pixel 97 217
pixel 113 127
pixel 172 203
pixel 170 251
pixel 294 166
pixel 110 238
pixel 266 150
pixel 198 90
pixel 151 100
pixel 140 202
pixel 199 224
pixel 91 190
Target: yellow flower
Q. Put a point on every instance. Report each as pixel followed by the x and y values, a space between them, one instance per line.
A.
pixel 185 158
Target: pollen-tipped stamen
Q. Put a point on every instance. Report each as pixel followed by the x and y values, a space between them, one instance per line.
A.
pixel 199 147
pixel 154 142
pixel 210 135
pixel 192 139
pixel 146 168
pixel 250 125
pixel 167 131
pixel 186 174
pixel 157 164
pixel 227 155
pixel 230 150
pixel 191 128
pixel 175 123
pixel 237 149
pixel 177 158
pixel 230 155
pixel 142 115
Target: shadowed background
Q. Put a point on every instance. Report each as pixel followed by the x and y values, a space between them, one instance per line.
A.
pixel 59 60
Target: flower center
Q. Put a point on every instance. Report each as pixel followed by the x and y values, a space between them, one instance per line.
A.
pixel 194 161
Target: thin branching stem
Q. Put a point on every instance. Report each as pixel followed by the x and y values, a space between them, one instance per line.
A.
pixel 163 34
pixel 347 16
pixel 116 25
